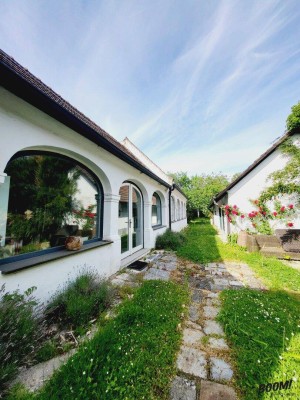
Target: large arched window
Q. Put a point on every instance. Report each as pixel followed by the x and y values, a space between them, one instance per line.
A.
pixel 178 210
pixel 156 210
pixel 50 198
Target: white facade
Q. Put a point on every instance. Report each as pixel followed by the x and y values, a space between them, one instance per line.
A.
pixel 25 128
pixel 250 188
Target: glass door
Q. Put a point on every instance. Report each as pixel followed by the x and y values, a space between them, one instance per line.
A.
pixel 130 219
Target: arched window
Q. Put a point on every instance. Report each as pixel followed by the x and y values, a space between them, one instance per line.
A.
pixel 156 210
pixel 172 209
pixel 51 197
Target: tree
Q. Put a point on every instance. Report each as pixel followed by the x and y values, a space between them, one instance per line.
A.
pixel 293 120
pixel 199 190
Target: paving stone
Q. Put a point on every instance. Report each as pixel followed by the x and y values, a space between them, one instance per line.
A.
pixel 212 302
pixel 197 296
pixel 213 295
pixel 192 325
pixel 211 312
pixel 169 259
pixel 220 369
pixel 182 389
pixel 170 266
pixel 218 344
pixel 219 284
pixel 192 361
pixel 236 283
pixel 216 391
pixel 212 327
pixel 193 313
pixel 157 274
pixel 152 258
pixel 192 336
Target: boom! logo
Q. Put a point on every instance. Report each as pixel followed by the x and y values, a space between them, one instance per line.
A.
pixel 275 386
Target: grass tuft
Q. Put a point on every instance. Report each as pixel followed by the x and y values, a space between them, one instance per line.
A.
pixel 170 240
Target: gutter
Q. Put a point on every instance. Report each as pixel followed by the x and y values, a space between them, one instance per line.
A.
pixel 170 206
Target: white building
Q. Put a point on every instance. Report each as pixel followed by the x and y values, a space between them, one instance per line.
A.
pixel 249 185
pixel 131 199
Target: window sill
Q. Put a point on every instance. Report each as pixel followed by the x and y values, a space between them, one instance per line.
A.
pixel 156 227
pixel 17 265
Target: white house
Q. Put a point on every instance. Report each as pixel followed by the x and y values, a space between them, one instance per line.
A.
pixel 248 186
pixel 118 199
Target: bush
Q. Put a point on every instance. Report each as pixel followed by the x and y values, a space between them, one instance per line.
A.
pixel 80 300
pixel 20 331
pixel 170 240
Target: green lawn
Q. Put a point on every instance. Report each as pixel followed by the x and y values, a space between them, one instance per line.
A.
pixel 131 358
pixel 263 327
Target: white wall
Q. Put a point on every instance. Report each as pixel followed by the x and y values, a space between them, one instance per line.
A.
pixel 250 187
pixel 23 127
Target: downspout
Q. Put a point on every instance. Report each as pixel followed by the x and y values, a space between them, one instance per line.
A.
pixel 170 205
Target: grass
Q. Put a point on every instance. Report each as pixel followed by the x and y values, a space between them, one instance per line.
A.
pixel 202 245
pixel 264 331
pixel 262 327
pixel 132 357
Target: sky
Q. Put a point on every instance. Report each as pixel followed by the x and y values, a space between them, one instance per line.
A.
pixel 199 86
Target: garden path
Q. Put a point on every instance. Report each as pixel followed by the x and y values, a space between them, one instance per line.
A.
pixel 204 360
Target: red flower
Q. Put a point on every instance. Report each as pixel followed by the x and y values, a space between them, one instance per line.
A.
pixel 234 206
pixel 291 206
pixel 274 213
pixel 226 207
pixel 242 216
pixel 290 224
pixel 282 208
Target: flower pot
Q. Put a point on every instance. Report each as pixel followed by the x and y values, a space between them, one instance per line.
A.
pixel 73 243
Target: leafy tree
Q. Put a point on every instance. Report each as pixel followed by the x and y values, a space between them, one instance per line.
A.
pixel 293 120
pixel 285 180
pixel 199 190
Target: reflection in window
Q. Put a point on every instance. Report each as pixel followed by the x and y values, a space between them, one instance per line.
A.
pixel 50 198
pixel 156 210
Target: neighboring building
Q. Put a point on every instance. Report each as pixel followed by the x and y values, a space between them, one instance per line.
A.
pixel 120 199
pixel 248 186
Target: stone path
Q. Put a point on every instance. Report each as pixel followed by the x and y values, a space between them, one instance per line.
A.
pixel 204 362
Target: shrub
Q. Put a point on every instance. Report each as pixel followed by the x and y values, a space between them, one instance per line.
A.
pixel 170 240
pixel 80 300
pixel 20 331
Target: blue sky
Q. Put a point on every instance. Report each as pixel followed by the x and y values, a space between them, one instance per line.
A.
pixel 199 86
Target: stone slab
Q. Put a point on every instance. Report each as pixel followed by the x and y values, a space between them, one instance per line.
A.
pixel 197 296
pixel 216 391
pixel 192 361
pixel 213 295
pixel 211 312
pixel 157 274
pixel 193 313
pixel 192 325
pixel 182 389
pixel 192 336
pixel 213 302
pixel 212 328
pixel 218 344
pixel 220 370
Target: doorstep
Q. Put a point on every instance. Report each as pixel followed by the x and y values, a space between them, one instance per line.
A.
pixel 133 257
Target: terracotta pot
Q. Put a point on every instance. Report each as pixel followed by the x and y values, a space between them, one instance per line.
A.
pixel 73 243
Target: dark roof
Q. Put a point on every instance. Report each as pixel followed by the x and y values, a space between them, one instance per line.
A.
pixel 252 166
pixel 18 80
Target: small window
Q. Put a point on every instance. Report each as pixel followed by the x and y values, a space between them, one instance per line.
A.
pixel 156 210
pixel 48 198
